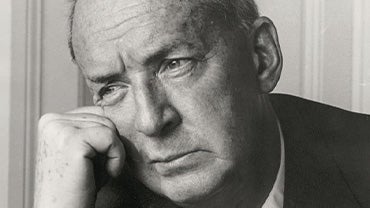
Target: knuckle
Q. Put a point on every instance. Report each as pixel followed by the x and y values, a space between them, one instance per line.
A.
pixel 56 131
pixel 53 127
pixel 106 121
pixel 47 118
pixel 108 134
pixel 110 124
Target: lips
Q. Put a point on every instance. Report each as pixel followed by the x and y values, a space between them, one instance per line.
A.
pixel 173 157
pixel 182 163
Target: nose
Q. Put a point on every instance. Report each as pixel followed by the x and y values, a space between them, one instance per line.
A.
pixel 154 114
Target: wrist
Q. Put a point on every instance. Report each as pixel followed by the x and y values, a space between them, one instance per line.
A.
pixel 60 199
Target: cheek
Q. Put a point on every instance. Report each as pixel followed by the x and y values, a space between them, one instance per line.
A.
pixel 123 116
pixel 207 111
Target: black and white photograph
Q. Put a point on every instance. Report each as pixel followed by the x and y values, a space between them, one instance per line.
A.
pixel 185 104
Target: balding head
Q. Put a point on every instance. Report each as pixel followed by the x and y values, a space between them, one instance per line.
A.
pixel 236 12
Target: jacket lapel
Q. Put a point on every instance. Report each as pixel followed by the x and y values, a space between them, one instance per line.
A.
pixel 312 178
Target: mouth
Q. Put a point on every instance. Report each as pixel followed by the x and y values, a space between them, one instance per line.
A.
pixel 173 157
pixel 180 163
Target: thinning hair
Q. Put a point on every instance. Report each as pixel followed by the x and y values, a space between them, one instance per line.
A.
pixel 240 13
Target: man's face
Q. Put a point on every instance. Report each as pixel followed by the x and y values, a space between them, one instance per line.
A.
pixel 180 87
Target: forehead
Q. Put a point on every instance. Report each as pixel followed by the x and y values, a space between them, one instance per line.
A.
pixel 102 16
pixel 138 24
pixel 107 14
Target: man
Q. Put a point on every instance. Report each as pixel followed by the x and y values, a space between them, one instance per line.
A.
pixel 183 117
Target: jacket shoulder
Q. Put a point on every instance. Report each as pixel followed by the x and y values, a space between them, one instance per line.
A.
pixel 345 134
pixel 309 106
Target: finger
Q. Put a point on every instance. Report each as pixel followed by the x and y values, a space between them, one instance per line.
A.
pixel 105 141
pixel 116 159
pixel 77 122
pixel 88 117
pixel 80 124
pixel 81 114
pixel 97 110
pixel 88 110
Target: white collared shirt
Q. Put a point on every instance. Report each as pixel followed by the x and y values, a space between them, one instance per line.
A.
pixel 276 196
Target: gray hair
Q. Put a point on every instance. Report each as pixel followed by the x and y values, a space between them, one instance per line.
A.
pixel 240 13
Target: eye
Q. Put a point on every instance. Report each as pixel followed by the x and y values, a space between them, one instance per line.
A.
pixel 174 64
pixel 176 68
pixel 112 93
pixel 106 91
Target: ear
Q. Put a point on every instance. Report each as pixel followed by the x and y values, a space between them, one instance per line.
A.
pixel 267 55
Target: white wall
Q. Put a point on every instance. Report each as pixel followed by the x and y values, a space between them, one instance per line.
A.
pixel 5 71
pixel 289 26
pixel 326 48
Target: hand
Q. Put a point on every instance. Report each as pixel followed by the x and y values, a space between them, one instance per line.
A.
pixel 69 145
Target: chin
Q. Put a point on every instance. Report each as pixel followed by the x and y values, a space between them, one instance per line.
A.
pixel 196 186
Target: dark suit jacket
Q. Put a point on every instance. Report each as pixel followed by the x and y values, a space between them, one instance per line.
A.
pixel 327 154
pixel 327 161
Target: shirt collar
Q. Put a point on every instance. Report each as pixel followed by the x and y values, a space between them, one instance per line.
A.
pixel 276 196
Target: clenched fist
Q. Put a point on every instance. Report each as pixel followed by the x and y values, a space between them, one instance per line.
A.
pixel 73 148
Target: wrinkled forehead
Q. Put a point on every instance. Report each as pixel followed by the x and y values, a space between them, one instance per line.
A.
pixel 97 17
pixel 103 14
pixel 139 27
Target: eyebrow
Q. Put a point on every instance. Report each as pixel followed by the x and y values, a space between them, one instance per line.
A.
pixel 157 54
pixel 165 50
pixel 105 78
